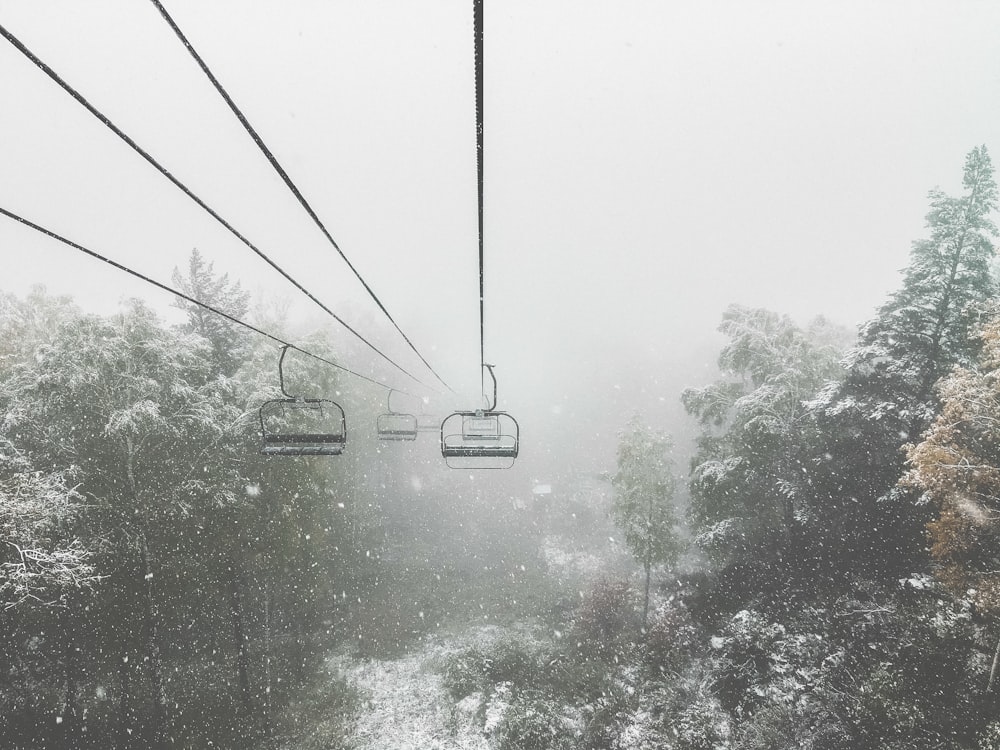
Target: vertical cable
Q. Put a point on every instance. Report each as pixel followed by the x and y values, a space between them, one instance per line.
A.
pixel 477 23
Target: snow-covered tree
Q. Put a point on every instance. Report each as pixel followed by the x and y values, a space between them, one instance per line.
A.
pixel 887 397
pixel 746 477
pixel 127 402
pixel 924 327
pixel 43 558
pixel 228 341
pixel 643 504
pixel 957 466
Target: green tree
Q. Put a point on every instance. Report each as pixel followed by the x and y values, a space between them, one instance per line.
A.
pixel 643 504
pixel 887 397
pixel 747 477
pixel 129 403
pixel 228 342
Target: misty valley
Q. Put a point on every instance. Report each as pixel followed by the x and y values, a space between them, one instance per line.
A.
pixel 807 557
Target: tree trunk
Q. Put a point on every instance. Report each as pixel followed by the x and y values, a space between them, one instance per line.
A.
pixel 299 652
pixel 153 658
pixel 239 634
pixel 267 653
pixel 150 625
pixel 645 599
pixel 993 668
pixel 125 700
pixel 71 667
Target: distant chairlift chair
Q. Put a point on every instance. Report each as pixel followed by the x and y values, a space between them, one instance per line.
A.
pixel 395 425
pixel 480 439
pixel 428 423
pixel 293 426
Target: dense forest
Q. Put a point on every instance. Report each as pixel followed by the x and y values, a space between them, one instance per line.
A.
pixel 825 574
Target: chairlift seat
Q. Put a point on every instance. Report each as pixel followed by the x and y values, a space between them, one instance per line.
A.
pixel 302 445
pixel 396 426
pixel 288 427
pixel 496 448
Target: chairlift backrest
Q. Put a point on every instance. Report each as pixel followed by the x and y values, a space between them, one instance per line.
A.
pixel 302 427
pixel 481 426
pixel 428 423
pixel 395 426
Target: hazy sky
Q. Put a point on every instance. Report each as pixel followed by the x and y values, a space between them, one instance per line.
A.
pixel 647 163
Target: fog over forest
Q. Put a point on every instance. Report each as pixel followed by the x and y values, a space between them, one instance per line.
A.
pixel 739 488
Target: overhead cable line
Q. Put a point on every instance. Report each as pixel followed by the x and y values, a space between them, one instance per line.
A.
pixel 287 180
pixel 188 298
pixel 187 191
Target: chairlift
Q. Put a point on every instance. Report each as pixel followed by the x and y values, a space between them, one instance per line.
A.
pixel 396 425
pixel 481 438
pixel 293 426
pixel 428 423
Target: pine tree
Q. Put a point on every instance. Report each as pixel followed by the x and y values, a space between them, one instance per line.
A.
pixel 228 341
pixel 924 328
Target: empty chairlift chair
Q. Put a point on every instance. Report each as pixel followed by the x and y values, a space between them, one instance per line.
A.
pixel 480 439
pixel 293 426
pixel 395 425
pixel 428 423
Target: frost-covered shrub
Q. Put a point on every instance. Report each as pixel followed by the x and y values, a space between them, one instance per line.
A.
pixel 320 716
pixel 918 665
pixel 605 619
pixel 807 725
pixel 579 676
pixel 463 673
pixel 482 668
pixel 609 714
pixel 680 713
pixel 989 737
pixel 671 639
pixel 742 658
pixel 511 660
pixel 534 722
pixel 703 725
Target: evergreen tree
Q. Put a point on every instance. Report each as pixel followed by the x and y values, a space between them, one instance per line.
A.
pixel 887 395
pixel 228 341
pixel 924 327
pixel 127 402
pixel 643 499
pixel 746 478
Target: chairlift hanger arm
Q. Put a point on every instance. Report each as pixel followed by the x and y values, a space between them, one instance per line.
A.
pixel 489 368
pixel 281 372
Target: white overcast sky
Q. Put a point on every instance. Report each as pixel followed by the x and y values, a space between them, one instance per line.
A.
pixel 647 163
